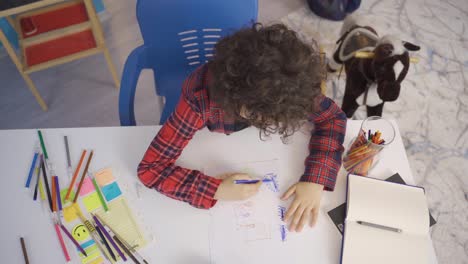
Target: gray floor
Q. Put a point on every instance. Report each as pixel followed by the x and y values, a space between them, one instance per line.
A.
pixel 81 93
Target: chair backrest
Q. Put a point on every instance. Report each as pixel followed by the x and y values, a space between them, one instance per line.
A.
pixel 180 34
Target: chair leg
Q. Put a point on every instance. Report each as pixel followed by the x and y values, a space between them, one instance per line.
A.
pixel 111 67
pixel 34 91
pixel 99 35
pixel 17 63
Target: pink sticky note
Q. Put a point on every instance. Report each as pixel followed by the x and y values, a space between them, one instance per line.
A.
pixel 87 186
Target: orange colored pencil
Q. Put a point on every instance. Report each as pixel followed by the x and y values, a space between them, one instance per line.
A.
pixel 377 137
pixel 83 176
pixel 358 149
pixel 77 170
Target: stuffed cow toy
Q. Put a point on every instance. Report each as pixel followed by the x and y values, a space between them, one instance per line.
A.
pixel 374 66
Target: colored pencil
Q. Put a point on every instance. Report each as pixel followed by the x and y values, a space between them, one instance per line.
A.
pixel 98 190
pixel 127 251
pixel 62 243
pixel 251 181
pixel 38 183
pixel 121 239
pixel 46 183
pixel 59 199
pixel 73 240
pixel 31 170
pixel 25 252
pixel 85 171
pixel 109 237
pixel 44 150
pixel 67 150
pixel 77 170
pixel 41 188
pixel 104 241
pixel 92 231
pixel 54 194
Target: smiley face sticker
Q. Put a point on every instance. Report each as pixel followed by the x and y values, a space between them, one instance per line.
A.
pixel 80 233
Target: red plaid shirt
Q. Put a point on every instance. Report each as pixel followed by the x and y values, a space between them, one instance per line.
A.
pixel 195 111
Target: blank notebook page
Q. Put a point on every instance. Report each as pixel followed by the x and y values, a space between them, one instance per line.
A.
pixel 367 245
pixel 387 204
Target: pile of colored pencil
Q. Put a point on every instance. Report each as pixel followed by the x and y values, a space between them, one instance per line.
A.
pixel 50 193
pixel 360 156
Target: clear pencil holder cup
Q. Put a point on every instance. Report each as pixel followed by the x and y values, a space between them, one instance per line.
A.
pixel 375 134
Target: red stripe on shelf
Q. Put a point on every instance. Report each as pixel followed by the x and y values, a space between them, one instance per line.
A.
pixel 52 20
pixel 60 47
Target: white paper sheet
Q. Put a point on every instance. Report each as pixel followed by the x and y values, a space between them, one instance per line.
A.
pixel 248 231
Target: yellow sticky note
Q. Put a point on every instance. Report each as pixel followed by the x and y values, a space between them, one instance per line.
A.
pixel 104 176
pixel 92 252
pixel 69 213
pixel 92 202
pixel 99 260
pixel 63 193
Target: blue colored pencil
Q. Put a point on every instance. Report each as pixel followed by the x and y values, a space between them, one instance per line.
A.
pixel 105 243
pixel 31 170
pixel 251 181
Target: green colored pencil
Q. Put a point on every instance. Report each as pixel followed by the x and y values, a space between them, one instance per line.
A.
pixel 43 145
pixel 98 190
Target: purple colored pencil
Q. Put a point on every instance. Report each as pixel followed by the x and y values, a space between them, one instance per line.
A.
pixel 73 240
pixel 104 231
pixel 59 199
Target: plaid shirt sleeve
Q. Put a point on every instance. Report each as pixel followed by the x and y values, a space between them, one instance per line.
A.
pixel 157 169
pixel 326 145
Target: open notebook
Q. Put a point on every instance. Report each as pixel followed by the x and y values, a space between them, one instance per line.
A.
pixel 385 223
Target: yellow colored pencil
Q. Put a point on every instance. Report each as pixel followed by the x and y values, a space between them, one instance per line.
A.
pixel 41 189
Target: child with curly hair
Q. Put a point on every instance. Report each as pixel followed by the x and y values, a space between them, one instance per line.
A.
pixel 264 77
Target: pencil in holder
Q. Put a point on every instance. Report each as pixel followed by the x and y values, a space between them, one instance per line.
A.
pixel 375 134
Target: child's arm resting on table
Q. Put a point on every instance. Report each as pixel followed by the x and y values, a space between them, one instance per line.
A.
pixel 321 166
pixel 326 145
pixel 157 169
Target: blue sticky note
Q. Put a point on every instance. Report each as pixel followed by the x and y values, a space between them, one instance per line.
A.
pixel 111 191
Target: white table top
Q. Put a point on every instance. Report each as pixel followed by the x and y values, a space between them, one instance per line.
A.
pixel 180 231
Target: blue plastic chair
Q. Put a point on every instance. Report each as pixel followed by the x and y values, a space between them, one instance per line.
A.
pixel 179 36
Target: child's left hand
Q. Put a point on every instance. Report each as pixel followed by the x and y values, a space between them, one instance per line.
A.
pixel 305 206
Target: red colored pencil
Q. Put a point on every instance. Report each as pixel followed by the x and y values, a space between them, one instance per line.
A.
pixel 54 195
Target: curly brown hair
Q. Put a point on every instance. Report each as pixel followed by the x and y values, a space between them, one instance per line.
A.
pixel 269 75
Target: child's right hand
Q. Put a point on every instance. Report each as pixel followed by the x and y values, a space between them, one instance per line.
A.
pixel 228 190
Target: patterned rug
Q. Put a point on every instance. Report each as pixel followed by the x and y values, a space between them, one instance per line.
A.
pixel 432 110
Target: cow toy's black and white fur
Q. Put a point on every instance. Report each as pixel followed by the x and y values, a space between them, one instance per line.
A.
pixel 370 81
